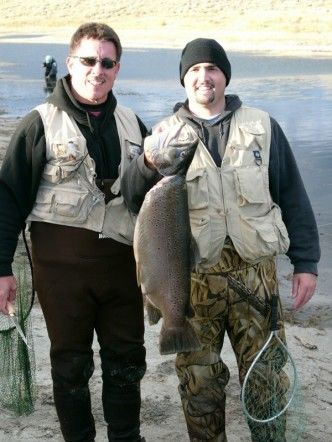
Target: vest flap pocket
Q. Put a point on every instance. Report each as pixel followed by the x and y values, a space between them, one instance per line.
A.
pixel 262 236
pixel 194 174
pixel 251 186
pixel 270 228
pixel 63 203
pixel 251 134
pixel 68 168
pixel 253 127
pixel 197 188
pixel 71 204
pixel 52 173
pixel 55 172
pixel 201 232
pixel 266 231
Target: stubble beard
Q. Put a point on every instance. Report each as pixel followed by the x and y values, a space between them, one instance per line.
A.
pixel 205 99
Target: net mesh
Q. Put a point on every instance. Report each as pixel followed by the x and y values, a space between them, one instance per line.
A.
pixel 272 397
pixel 17 362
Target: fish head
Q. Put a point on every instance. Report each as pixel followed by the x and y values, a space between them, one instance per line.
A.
pixel 171 149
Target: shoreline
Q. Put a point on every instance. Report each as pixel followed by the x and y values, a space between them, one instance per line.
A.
pixel 261 42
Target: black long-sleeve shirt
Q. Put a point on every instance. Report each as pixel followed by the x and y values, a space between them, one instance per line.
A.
pixel 286 185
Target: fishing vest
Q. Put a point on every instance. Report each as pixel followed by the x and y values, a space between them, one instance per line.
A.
pixel 234 200
pixel 68 194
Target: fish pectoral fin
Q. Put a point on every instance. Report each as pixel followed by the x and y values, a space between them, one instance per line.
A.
pixel 154 314
pixel 178 339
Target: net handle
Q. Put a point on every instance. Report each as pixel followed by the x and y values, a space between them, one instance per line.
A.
pixel 274 312
pixel 31 270
pixel 24 317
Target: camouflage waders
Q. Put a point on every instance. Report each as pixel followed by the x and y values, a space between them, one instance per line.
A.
pixel 218 308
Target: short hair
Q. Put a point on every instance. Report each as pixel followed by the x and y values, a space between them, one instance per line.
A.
pixel 96 31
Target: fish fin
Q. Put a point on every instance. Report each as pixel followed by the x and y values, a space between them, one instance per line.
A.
pixel 178 339
pixel 154 314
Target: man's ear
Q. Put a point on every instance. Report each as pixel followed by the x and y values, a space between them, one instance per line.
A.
pixel 69 63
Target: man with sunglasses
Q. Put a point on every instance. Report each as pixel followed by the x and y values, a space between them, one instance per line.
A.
pixel 61 176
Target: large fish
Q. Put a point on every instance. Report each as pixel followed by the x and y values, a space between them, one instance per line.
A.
pixel 163 244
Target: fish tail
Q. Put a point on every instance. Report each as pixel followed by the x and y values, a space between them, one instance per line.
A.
pixel 178 339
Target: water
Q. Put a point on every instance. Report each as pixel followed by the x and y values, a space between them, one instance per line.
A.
pixel 295 91
pixel 148 82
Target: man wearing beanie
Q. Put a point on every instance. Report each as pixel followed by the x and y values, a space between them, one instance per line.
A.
pixel 247 204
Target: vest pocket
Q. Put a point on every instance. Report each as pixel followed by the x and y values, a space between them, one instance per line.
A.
pixel 62 205
pixel 52 173
pixel 262 236
pixel 72 205
pixel 43 203
pixel 64 171
pixel 197 188
pixel 198 200
pixel 251 185
pixel 201 232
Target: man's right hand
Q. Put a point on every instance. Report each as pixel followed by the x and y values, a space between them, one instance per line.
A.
pixel 7 292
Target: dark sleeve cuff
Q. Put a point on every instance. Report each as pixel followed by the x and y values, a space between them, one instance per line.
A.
pixel 306 267
pixel 6 270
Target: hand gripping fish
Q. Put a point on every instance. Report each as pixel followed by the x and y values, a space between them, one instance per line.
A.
pixel 163 242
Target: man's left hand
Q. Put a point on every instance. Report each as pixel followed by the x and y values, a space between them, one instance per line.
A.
pixel 304 285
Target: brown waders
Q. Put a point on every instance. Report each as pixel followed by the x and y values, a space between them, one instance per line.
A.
pixel 218 309
pixel 86 285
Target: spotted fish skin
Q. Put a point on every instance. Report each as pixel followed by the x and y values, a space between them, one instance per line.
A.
pixel 162 247
pixel 163 241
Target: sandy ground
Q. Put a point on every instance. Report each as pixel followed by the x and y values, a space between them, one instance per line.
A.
pixel 286 26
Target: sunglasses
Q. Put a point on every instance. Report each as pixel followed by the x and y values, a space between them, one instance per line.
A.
pixel 106 63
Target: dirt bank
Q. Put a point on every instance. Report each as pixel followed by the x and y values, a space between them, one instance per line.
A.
pixel 277 26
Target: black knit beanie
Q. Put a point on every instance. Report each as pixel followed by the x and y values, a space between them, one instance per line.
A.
pixel 204 50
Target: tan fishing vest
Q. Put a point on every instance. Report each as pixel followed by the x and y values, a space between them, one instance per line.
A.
pixel 68 194
pixel 234 200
